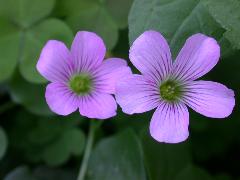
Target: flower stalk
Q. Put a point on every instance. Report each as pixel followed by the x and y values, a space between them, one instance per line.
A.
pixel 90 140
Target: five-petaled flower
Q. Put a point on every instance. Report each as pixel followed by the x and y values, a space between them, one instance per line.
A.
pixel 170 86
pixel 80 79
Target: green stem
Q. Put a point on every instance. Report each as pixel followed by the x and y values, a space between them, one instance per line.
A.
pixel 6 106
pixel 92 129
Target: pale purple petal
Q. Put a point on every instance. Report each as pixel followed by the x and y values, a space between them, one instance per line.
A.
pixel 169 123
pixel 137 94
pixel 98 105
pixel 197 57
pixel 60 99
pixel 55 62
pixel 151 55
pixel 109 73
pixel 88 51
pixel 210 99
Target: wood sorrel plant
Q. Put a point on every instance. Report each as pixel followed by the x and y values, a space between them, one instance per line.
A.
pixel 80 79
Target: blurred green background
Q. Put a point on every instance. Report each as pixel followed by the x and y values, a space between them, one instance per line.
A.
pixel 35 144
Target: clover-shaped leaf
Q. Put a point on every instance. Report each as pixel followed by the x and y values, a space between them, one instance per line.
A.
pixel 25 12
pixel 39 173
pixel 24 33
pixel 52 140
pixel 9 48
pixel 176 20
pixel 122 157
pixel 99 16
pixel 221 10
pixel 164 161
pixel 70 142
pixel 31 96
pixel 20 173
pixel 35 38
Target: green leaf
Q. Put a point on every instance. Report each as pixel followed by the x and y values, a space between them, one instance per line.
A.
pixel 221 10
pixel 77 143
pixel 46 131
pixel 193 173
pixel 9 48
pixel 35 39
pixel 40 173
pixel 119 11
pixel 24 46
pixel 31 96
pixel 175 19
pixel 20 173
pixel 20 42
pixel 52 140
pixel 3 143
pixel 72 7
pixel 25 13
pixel 119 157
pixel 96 16
pixel 71 142
pixel 98 20
pixel 45 173
pixel 164 161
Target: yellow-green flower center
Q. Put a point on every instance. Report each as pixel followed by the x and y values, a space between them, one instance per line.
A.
pixel 81 84
pixel 170 91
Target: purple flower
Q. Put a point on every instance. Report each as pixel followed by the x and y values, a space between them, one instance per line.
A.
pixel 80 79
pixel 169 86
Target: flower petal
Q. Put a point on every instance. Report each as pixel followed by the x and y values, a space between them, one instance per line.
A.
pixel 55 62
pixel 137 94
pixel 169 123
pixel 210 99
pixel 197 57
pixel 151 55
pixel 88 51
pixel 60 99
pixel 98 105
pixel 110 72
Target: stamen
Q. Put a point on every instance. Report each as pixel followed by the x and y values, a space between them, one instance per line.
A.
pixel 81 84
pixel 170 91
